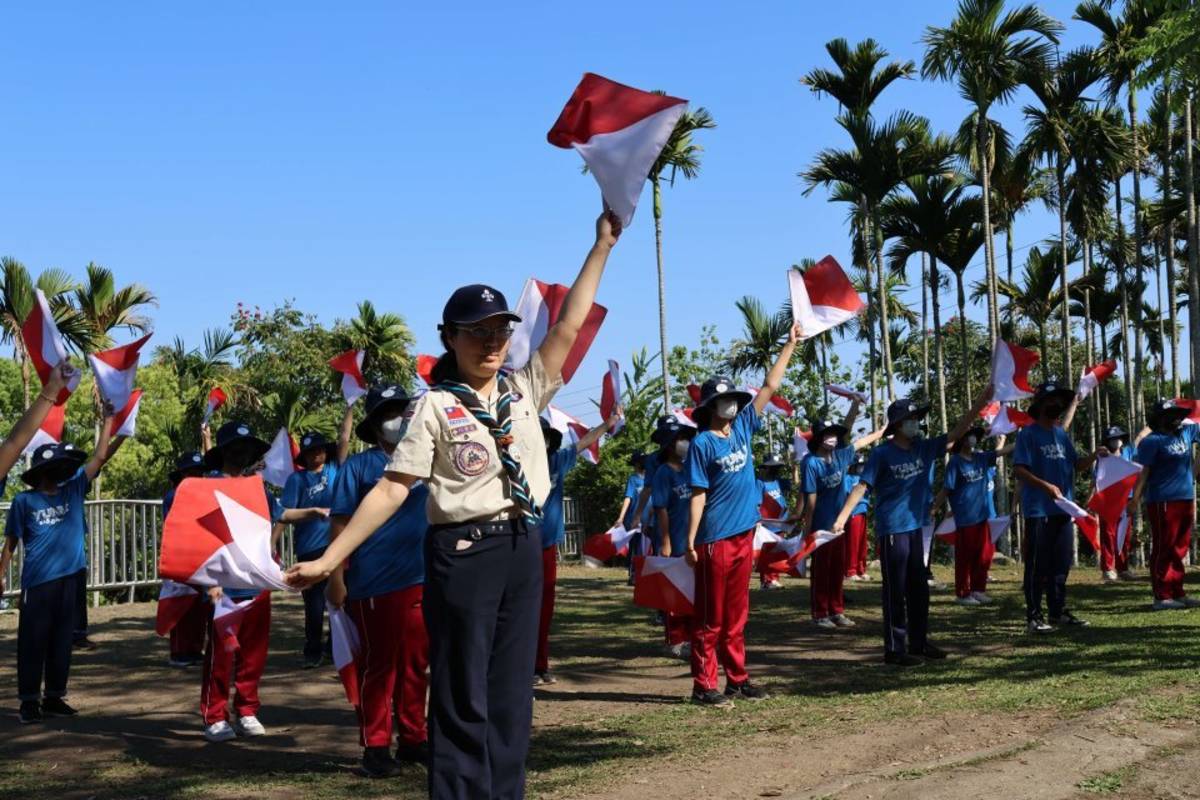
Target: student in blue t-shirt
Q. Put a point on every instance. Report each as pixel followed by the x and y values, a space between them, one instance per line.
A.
pixel 1167 483
pixel 897 473
pixel 560 460
pixel 1045 461
pixel 188 633
pixel 671 495
pixel 967 485
pixel 824 490
pixel 309 490
pixel 48 521
pixel 381 587
pixel 857 548
pixel 721 519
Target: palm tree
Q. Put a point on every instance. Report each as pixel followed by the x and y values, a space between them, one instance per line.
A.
pixel 1017 182
pixel 387 342
pixel 105 307
pixel 286 408
pixel 856 84
pixel 986 51
pixel 1162 123
pixel 1059 89
pixel 680 157
pixel 922 221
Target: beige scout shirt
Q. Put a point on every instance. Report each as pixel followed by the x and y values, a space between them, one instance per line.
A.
pixel 454 452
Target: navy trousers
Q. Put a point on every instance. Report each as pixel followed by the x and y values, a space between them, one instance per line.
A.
pixel 483 594
pixel 44 638
pixel 1047 563
pixel 314 613
pixel 81 600
pixel 905 592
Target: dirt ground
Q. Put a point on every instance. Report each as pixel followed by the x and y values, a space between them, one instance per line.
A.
pixel 140 718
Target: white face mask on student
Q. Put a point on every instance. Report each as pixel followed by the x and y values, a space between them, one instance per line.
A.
pixel 681 448
pixel 830 442
pixel 727 408
pixel 910 429
pixel 392 430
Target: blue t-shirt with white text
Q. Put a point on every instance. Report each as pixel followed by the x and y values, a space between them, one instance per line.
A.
pixel 723 466
pixel 1050 455
pixel 673 493
pixel 304 489
pixel 827 480
pixel 51 528
pixel 1168 457
pixel 900 482
pixel 966 485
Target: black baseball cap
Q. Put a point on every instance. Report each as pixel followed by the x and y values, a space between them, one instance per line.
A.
pixel 1116 432
pixel 475 303
pixel 552 435
pixel 820 428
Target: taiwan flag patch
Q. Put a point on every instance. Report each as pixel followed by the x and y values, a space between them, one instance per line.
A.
pixel 456 412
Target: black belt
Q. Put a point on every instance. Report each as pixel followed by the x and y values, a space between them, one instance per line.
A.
pixel 479 529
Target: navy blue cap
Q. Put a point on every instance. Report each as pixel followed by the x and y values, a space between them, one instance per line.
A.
pixel 229 433
pixel 49 455
pixel 900 410
pixel 474 303
pixel 185 462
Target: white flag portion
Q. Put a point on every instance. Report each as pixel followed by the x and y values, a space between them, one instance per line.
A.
pixel 227 619
pixel 1010 371
pixel 668 584
pixel 349 364
pixel 1086 523
pixel 280 459
pixel 822 297
pixel 125 420
pixel 572 430
pixel 1094 376
pixel 44 344
pixel 346 647
pixel 1115 479
pixel 620 132
pixel 608 545
pixel 51 429
pixel 998 527
pixel 846 392
pixel 116 370
pixel 684 417
pixel 1122 532
pixel 762 535
pixel 800 444
pixel 610 394
pixel 947 529
pixel 1004 419
pixel 538 308
pixel 778 404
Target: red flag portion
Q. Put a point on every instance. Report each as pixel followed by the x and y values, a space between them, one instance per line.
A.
pixel 1094 376
pixel 44 344
pixel 787 555
pixel 227 619
pixel 349 364
pixel 610 394
pixel 1087 524
pixel 115 371
pixel 174 601
pixel 608 545
pixel 822 297
pixel 425 365
pixel 1010 371
pixel 1115 479
pixel 667 584
pixel 125 420
pixel 51 429
pixel 216 399
pixel 538 308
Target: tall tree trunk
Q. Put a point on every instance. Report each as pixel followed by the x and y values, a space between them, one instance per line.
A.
pixel 1162 333
pixel 1172 304
pixel 881 289
pixel 925 326
pixel 1008 250
pixel 962 339
pixel 662 297
pixel 1088 337
pixel 1107 409
pixel 938 351
pixel 985 172
pixel 1068 370
pixel 871 352
pixel 1193 256
pixel 1119 260
pixel 1136 415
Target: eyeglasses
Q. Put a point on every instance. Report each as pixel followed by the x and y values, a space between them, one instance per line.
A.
pixel 484 332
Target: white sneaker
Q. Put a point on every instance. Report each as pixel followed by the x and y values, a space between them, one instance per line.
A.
pixel 250 726
pixel 864 577
pixel 969 600
pixel 983 597
pixel 855 578
pixel 1038 626
pixel 1109 576
pixel 772 584
pixel 676 651
pixel 219 732
pixel 1169 605
pixel 827 623
pixel 842 621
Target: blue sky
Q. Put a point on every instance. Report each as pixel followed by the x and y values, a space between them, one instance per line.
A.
pixel 257 152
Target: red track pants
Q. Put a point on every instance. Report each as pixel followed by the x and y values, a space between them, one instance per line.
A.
pixel 722 606
pixel 242 666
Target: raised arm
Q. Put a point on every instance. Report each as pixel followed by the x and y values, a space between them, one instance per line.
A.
pixel 868 439
pixel 968 419
pixel 778 370
pixel 851 415
pixel 578 302
pixel 205 437
pixel 343 442
pixel 1142 434
pixel 593 436
pixel 100 455
pixel 23 432
pixel 1069 417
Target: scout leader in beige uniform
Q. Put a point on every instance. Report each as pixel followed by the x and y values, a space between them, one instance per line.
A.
pixel 476 440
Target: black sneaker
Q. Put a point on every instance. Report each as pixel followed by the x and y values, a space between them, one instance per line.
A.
pixel 711 698
pixel 901 659
pixel 1068 618
pixel 377 762
pixel 84 643
pixel 58 707
pixel 746 691
pixel 932 651
pixel 311 662
pixel 30 712
pixel 413 753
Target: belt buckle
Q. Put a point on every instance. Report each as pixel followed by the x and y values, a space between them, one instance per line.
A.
pixel 476 534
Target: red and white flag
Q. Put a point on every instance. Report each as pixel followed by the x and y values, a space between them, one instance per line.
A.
pixel 822 297
pixel 608 545
pixel 174 601
pixel 787 555
pixel 125 420
pixel 425 365
pixel 218 533
pixel 693 391
pixel 1193 409
pixel 684 416
pixel 778 404
pixel 227 619
pixel 1010 371
pixel 44 344
pixel 1122 532
pixel 572 430
pixel 1094 376
pixel 947 530
pixel 667 584
pixel 280 460
pixel 51 429
pixel 770 508
pixel 538 308
pixel 800 441
pixel 763 534
pixel 610 394
pixel 116 370
pixel 620 132
pixel 998 527
pixel 846 392
pixel 1115 478
pixel 345 643
pixel 349 363
pixel 1005 419
pixel 216 399
pixel 1088 525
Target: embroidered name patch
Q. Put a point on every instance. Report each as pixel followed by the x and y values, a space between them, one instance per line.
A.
pixel 471 458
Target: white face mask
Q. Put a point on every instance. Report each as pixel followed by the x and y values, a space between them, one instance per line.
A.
pixel 681 448
pixel 830 441
pixel 392 430
pixel 727 408
pixel 910 428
